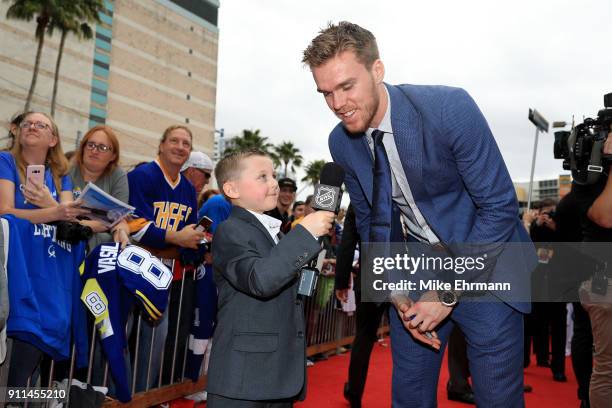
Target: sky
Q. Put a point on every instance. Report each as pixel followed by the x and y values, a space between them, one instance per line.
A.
pixel 553 56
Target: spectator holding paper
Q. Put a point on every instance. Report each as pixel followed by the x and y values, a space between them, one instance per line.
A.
pixel 96 161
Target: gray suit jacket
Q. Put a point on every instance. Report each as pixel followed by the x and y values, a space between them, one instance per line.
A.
pixel 259 346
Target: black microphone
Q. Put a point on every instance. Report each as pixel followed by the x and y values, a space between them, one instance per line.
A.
pixel 327 197
pixel 328 193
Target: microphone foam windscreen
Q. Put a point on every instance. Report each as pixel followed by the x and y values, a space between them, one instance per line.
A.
pixel 332 174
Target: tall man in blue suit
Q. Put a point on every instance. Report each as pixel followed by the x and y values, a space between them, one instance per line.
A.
pixel 424 156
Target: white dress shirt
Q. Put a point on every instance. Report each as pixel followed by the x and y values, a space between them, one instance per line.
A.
pixel 271 224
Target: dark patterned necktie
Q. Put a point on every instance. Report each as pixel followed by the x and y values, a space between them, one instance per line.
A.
pixel 381 214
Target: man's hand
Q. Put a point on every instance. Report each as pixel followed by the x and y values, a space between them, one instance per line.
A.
pixel 607 148
pixel 601 209
pixel 426 314
pixel 342 295
pixel 119 235
pixel 188 237
pixel 529 216
pixel 548 222
pixel 404 305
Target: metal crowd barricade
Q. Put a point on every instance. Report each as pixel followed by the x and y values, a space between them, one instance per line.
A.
pixel 328 329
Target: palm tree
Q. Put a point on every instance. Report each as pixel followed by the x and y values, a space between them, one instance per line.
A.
pixel 313 171
pixel 72 16
pixel 287 153
pixel 26 10
pixel 250 139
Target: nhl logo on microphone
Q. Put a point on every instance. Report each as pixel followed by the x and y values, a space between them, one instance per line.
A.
pixel 326 197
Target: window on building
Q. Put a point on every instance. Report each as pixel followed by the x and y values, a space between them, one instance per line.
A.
pixel 103 37
pixel 202 9
pixel 97 119
pixel 101 64
pixel 99 91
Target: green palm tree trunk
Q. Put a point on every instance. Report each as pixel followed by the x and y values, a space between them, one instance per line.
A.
pixel 60 52
pixel 40 33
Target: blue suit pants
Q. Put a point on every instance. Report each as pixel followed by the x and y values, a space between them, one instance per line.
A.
pixel 494 336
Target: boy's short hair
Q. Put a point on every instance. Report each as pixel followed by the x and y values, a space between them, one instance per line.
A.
pixel 337 38
pixel 229 167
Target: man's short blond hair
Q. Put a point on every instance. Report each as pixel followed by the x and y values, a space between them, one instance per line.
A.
pixel 229 167
pixel 337 38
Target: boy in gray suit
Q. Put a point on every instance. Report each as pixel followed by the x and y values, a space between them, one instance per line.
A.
pixel 258 356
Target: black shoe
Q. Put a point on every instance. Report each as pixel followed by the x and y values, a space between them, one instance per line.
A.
pixel 559 377
pixel 354 403
pixel 527 388
pixel 465 397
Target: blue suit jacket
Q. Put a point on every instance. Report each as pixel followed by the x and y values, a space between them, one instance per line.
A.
pixel 456 174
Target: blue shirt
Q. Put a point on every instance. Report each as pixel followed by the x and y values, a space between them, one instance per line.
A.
pixel 8 171
pixel 218 209
pixel 44 289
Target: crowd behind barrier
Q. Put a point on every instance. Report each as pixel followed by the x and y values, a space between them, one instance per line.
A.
pixel 109 330
pixel 146 340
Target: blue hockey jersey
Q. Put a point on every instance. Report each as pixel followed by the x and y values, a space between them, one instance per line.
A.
pixel 161 205
pixel 114 280
pixel 44 289
pixel 204 320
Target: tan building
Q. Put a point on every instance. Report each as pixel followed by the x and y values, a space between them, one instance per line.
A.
pixel 543 189
pixel 153 63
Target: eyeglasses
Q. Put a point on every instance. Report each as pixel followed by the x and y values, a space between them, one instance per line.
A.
pixel 102 148
pixel 37 125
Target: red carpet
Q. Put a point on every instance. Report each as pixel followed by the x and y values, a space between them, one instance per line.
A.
pixel 326 379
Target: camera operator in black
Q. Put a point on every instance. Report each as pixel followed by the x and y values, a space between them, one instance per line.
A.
pixel 595 201
pixel 587 152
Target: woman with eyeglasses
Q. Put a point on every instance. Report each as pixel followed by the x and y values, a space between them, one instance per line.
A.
pixel 96 161
pixel 37 143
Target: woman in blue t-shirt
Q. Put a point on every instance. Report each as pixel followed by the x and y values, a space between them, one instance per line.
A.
pixel 37 142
